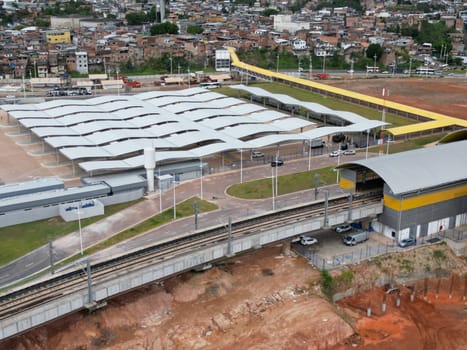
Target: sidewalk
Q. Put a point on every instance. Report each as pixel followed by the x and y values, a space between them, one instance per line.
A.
pixel 214 187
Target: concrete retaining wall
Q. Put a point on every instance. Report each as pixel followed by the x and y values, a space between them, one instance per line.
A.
pixel 125 280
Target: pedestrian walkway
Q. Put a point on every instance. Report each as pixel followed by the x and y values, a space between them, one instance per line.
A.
pixel 214 190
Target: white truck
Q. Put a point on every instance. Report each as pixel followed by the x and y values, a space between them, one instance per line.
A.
pixel 355 237
pixel 316 143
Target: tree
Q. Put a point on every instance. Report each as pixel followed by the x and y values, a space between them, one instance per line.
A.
pixel 194 29
pixel 269 12
pixel 136 18
pixel 164 28
pixel 374 49
pixel 152 15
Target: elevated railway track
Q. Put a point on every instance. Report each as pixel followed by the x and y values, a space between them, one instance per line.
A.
pixel 41 293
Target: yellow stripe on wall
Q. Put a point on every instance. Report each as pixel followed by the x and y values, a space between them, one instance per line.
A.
pixel 346 184
pixel 425 199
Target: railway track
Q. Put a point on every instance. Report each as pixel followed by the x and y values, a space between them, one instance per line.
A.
pixel 69 282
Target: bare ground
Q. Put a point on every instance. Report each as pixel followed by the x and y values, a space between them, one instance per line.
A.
pixel 269 299
pixel 441 95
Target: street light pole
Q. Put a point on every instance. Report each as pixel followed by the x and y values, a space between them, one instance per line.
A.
pixel 277 184
pixel 272 189
pixel 241 165
pixel 277 64
pixel 367 141
pixel 118 81
pixel 179 74
pixel 338 162
pixel 374 65
pixel 201 175
pixel 189 78
pixel 79 228
pixel 170 58
pixel 309 156
pixel 175 202
pixel 324 62
pixel 311 66
pixel 410 67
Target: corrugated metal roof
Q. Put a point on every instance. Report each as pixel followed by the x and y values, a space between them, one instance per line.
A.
pixel 420 169
pixel 408 129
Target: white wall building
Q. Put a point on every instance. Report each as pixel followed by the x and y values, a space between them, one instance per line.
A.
pixel 82 62
pixel 289 24
pixel 222 62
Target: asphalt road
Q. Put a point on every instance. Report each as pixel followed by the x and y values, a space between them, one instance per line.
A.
pixel 214 187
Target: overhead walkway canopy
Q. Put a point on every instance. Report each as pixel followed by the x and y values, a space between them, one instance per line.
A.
pixel 439 120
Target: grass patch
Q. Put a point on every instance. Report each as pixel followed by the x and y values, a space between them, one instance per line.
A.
pixel 333 103
pixel 21 239
pixel 408 145
pixel 183 209
pixel 260 189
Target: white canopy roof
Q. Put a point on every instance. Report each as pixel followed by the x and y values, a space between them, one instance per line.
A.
pixel 176 123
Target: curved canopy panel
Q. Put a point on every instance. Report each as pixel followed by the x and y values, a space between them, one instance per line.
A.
pixel 310 106
pixel 420 169
pixel 457 135
pixel 111 132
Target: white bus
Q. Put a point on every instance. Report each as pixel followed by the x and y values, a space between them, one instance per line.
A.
pixel 425 71
pixel 211 85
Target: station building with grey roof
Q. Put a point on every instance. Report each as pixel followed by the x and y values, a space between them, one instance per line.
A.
pixel 424 190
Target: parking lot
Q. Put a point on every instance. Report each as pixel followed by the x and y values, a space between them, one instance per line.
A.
pixel 331 252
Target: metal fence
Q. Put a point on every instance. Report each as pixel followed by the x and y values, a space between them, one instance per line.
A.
pixel 355 256
pixel 364 252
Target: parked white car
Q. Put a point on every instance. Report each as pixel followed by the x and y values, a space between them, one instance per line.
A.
pixel 305 240
pixel 257 154
pixel 349 152
pixel 343 228
pixel 334 154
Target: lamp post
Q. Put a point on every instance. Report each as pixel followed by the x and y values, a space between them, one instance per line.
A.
pixel 351 68
pixel 311 66
pixel 338 162
pixel 189 78
pixel 277 64
pixel 241 165
pixel 79 228
pixel 374 64
pixel 383 120
pixel 174 183
pixel 299 65
pixel 160 191
pixel 410 67
pixel 170 58
pixel 309 156
pixel 277 175
pixel 179 74
pixel 324 61
pixel 272 189
pixel 201 176
pixel 118 81
pixel 367 141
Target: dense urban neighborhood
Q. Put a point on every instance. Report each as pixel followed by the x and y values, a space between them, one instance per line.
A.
pixel 44 39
